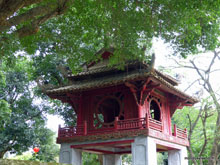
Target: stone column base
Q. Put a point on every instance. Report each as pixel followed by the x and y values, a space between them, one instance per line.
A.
pixel 112 159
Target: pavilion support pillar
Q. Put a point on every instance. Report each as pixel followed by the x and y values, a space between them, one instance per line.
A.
pixel 112 159
pixel 177 157
pixel 144 151
pixel 70 155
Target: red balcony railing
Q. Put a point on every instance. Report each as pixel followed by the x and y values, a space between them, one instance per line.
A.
pixel 120 125
pixel 155 124
pixel 130 124
pixel 179 132
pixel 70 131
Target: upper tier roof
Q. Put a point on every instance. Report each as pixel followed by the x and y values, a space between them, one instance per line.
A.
pixel 99 75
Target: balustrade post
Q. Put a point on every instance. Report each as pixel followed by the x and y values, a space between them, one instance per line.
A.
pixel 147 120
pixel 116 123
pixel 174 128
pixel 185 132
pixel 85 127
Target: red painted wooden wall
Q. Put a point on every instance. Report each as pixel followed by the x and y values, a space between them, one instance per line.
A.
pixel 90 99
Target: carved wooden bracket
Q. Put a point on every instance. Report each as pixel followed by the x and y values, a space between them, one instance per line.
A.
pixel 75 99
pixel 141 89
pixel 174 106
pixel 177 104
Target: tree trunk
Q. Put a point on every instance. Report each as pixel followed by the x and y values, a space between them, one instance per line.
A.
pixel 2 154
pixel 215 152
pixel 100 157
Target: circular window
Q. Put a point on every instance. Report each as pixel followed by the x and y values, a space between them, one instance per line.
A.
pixel 154 110
pixel 107 109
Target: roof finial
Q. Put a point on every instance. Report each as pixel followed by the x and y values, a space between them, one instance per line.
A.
pixel 152 62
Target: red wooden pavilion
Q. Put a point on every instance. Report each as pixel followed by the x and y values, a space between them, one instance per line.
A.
pixel 116 107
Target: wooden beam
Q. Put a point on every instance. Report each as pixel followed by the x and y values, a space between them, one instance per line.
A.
pixel 112 143
pixel 107 152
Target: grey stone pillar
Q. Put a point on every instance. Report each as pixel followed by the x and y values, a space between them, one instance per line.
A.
pixel 177 157
pixel 69 155
pixel 112 159
pixel 144 151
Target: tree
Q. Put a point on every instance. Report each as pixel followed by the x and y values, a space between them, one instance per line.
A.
pixel 4 113
pixel 200 125
pixel 26 122
pixel 86 26
pixel 4 107
pixel 89 158
pixel 49 68
pixel 27 16
pixel 211 109
pixel 49 151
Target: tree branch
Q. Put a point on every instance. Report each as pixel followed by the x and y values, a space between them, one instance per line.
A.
pixel 212 62
pixel 10 7
pixel 185 66
pixel 32 13
pixel 29 30
pixel 200 74
pixel 191 84
pixel 1 1
pixel 191 129
pixel 204 130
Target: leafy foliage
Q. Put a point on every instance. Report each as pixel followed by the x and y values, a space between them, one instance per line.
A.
pixel 26 122
pixel 48 149
pixel 129 26
pixel 90 159
pixel 4 107
pixel 4 113
pixel 197 140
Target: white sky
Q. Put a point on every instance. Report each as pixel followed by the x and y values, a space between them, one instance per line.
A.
pixel 53 122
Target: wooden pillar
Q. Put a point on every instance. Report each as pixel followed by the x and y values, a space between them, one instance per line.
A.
pixel 79 114
pixel 174 128
pixel 147 120
pixel 139 111
pixel 85 127
pixel 116 123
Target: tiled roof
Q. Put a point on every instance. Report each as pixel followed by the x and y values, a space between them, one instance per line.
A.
pixel 100 82
pixel 102 67
pixel 112 80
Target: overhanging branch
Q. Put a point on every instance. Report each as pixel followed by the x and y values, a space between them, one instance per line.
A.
pixel 38 15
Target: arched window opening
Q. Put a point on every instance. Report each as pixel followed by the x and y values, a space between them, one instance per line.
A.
pixel 108 109
pixel 154 110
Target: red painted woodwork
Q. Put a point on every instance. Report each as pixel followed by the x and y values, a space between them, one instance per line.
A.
pixel 179 133
pixel 111 144
pixel 133 115
pixel 85 128
pixel 67 132
pixel 138 123
pixel 175 130
pixel 156 125
pixel 120 125
pixel 115 104
pixel 107 152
